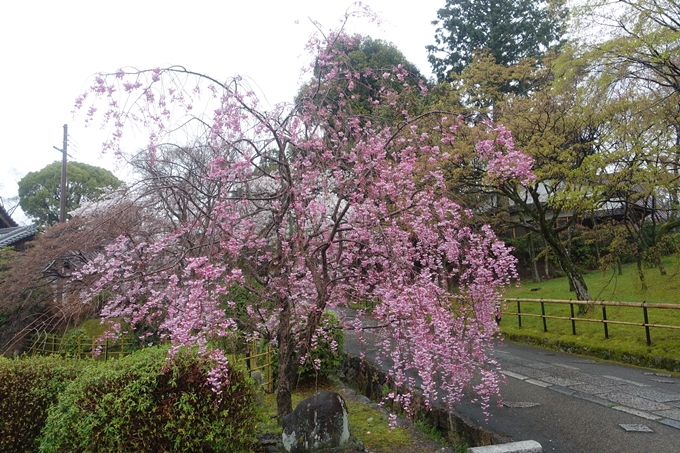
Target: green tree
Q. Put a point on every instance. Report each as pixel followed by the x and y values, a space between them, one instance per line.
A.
pixel 511 30
pixel 559 124
pixel 634 58
pixel 40 191
pixel 368 59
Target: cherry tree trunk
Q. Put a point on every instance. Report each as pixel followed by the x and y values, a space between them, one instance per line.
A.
pixel 284 401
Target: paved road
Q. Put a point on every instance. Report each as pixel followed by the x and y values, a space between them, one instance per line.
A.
pixel 572 404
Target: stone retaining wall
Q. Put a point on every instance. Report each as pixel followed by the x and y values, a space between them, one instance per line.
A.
pixel 371 381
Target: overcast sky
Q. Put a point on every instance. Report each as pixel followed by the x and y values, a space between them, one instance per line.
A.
pixel 49 49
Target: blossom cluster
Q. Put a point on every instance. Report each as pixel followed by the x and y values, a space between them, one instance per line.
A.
pixel 319 207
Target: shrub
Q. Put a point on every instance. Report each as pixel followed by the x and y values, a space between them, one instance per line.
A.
pixel 142 403
pixel 28 387
pixel 329 358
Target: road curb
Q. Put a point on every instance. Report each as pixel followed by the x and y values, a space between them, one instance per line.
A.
pixel 526 446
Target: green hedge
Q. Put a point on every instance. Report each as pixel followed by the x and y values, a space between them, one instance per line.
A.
pixel 28 387
pixel 140 404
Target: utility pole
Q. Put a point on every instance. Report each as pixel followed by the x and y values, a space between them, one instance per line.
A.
pixel 62 196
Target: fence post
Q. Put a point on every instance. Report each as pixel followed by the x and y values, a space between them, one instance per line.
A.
pixel 545 325
pixel 644 311
pixel 268 369
pixel 604 321
pixel 573 321
pixel 106 349
pixel 519 314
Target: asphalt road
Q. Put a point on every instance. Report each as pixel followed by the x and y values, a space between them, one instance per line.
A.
pixel 573 404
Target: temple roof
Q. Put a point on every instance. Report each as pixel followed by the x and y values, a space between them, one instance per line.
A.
pixel 16 234
pixel 6 220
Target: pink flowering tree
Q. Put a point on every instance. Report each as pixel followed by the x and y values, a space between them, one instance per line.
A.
pixel 317 207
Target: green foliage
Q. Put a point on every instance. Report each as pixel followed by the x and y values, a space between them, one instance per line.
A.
pixel 28 387
pixel 369 58
pixel 71 341
pixel 431 431
pixel 626 343
pixel 511 30
pixel 40 191
pixel 329 358
pixel 143 404
pixel 329 330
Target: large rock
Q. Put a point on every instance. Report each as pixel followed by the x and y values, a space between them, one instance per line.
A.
pixel 319 422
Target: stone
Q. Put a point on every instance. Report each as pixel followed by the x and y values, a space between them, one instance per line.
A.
pixel 258 378
pixel 636 428
pixel 318 422
pixel 259 384
pixel 519 404
pixel 526 446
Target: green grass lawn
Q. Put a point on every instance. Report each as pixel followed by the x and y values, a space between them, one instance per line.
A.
pixel 366 424
pixel 625 343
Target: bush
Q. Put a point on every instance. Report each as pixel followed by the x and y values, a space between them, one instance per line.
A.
pixel 141 403
pixel 28 387
pixel 329 359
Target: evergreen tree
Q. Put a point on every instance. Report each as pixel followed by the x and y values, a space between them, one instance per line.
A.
pixel 511 30
pixel 40 191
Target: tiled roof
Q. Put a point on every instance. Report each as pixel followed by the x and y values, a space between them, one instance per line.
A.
pixel 6 220
pixel 11 236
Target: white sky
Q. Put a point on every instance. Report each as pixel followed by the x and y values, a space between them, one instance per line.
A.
pixel 49 49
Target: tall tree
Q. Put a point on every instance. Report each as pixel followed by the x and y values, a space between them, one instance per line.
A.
pixel 316 208
pixel 40 191
pixel 368 58
pixel 558 125
pixel 634 57
pixel 511 30
pixel 36 290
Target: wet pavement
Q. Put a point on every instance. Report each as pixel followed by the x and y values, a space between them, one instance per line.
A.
pixel 573 404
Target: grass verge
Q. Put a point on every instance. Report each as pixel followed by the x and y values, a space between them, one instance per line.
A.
pixel 626 344
pixel 369 425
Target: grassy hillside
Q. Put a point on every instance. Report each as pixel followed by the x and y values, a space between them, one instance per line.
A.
pixel 610 285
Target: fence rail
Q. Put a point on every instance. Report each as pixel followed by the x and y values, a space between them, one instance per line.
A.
pixel 81 347
pixel 604 320
pixel 256 359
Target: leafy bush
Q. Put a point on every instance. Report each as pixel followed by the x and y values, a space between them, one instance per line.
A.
pixel 28 387
pixel 142 403
pixel 329 358
pixel 71 341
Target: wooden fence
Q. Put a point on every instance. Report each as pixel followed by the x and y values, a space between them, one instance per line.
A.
pixel 644 306
pixel 255 359
pixel 80 347
pixel 258 360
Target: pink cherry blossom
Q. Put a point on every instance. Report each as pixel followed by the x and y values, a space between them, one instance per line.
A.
pixel 318 208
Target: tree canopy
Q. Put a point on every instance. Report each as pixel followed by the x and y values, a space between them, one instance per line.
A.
pixel 40 191
pixel 316 206
pixel 511 30
pixel 369 59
